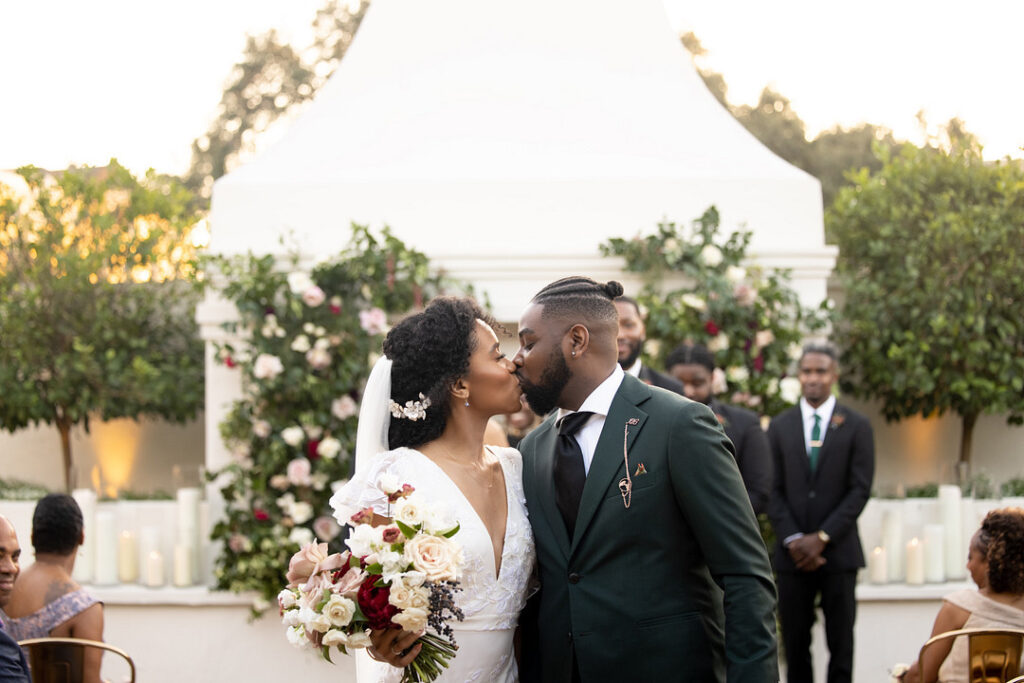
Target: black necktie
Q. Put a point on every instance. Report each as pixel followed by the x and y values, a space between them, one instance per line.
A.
pixel 570 475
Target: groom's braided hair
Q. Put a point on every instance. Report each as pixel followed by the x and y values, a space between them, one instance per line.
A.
pixel 429 351
pixel 582 297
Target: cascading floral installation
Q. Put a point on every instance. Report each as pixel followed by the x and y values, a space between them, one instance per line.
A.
pixel 308 337
pixel 751 319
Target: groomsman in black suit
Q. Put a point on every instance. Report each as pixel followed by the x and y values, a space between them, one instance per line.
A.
pixel 824 458
pixel 632 335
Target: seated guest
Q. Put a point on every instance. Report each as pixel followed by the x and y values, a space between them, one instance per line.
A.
pixel 46 601
pixel 694 365
pixel 630 341
pixel 13 667
pixel 996 563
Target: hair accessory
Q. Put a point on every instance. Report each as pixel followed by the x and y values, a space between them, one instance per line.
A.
pixel 412 410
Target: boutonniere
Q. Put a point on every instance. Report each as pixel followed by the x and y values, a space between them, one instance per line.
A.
pixel 722 420
pixel 837 421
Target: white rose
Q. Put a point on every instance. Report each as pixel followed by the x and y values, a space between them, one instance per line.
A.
pixel 361 540
pixel 339 610
pixel 329 448
pixel 261 428
pixel 301 513
pixel 400 596
pixel 309 328
pixel 719 343
pixel 267 366
pixel 290 618
pixel 711 255
pixel 313 431
pixel 695 302
pixel 334 637
pixel 738 374
pixel 388 483
pixel 735 274
pixel 301 344
pixel 763 338
pixel 319 481
pixel 409 510
pixel 297 637
pixel 299 282
pixel 286 598
pixel 437 557
pixel 359 639
pixel 411 620
pixel 293 436
pixel 438 519
pixel 279 482
pixel 789 389
pixel 298 472
pixel 313 296
pixel 318 359
pixel 344 407
pixel 320 623
pixel 794 351
pixel 322 343
pixel 301 535
pixel 773 386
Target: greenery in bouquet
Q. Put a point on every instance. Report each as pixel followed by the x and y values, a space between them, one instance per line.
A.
pixel 701 287
pixel 307 340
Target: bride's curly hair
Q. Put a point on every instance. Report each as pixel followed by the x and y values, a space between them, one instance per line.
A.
pixel 429 351
pixel 1001 541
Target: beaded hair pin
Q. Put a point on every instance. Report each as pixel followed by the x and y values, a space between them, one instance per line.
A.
pixel 412 410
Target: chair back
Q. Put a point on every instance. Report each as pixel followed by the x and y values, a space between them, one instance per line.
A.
pixel 993 654
pixel 60 660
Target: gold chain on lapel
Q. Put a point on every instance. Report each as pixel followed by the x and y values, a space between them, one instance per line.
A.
pixel 626 483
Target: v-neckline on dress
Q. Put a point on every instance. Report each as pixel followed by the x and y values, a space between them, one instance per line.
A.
pixel 495 570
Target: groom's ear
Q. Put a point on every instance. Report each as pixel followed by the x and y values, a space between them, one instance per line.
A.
pixel 578 338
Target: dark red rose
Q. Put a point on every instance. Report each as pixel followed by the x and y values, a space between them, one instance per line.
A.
pixel 229 361
pixel 711 328
pixel 374 603
pixel 311 447
pixel 268 310
pixel 260 514
pixel 759 363
pixel 392 534
pixel 335 309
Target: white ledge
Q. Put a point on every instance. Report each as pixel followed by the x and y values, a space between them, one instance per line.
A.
pixel 901 592
pixel 191 596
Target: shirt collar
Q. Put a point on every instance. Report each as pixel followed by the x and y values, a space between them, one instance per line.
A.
pixel 600 399
pixel 824 410
pixel 634 369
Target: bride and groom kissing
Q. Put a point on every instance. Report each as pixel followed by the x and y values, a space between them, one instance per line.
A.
pixel 625 506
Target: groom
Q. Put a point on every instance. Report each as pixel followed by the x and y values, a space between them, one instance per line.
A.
pixel 651 564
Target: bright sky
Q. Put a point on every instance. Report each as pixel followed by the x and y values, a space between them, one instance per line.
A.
pixel 139 80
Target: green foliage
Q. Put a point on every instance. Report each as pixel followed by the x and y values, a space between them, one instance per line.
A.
pixel 97 300
pixel 923 491
pixel 751 319
pixel 979 486
pixel 15 489
pixel 1012 487
pixel 932 266
pixel 293 432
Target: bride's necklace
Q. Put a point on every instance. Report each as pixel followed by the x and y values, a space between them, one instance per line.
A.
pixel 481 477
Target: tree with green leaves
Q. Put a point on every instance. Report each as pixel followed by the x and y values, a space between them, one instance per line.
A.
pixel 96 301
pixel 931 261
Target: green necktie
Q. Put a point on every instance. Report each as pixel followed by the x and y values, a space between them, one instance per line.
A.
pixel 812 454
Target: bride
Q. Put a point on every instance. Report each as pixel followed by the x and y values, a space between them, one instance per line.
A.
pixel 422 421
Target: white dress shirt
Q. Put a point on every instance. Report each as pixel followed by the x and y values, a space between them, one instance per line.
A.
pixel 634 369
pixel 824 410
pixel 598 403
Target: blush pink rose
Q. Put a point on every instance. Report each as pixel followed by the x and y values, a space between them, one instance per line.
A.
pixel 302 564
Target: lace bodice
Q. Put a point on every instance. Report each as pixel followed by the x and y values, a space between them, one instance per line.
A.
pixel 490 604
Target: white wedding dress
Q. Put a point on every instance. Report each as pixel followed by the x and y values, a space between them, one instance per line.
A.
pixel 490 601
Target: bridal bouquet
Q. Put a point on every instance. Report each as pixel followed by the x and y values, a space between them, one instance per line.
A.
pixel 403 574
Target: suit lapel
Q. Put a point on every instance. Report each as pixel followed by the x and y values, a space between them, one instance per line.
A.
pixel 544 459
pixel 797 447
pixel 608 456
pixel 828 435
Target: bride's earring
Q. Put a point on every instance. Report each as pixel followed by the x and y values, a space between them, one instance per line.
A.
pixel 467 402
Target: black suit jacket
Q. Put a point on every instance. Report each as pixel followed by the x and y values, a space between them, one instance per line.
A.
pixel 13 667
pixel 753 455
pixel 655 378
pixel 832 498
pixel 675 587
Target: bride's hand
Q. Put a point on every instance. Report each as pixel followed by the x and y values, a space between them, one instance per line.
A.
pixel 394 646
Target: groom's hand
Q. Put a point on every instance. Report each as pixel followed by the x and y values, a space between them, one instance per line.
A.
pixel 394 646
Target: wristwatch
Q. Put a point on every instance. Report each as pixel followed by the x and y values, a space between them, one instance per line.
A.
pixel 825 538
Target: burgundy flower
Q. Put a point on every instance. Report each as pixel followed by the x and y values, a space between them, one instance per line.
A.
pixel 335 309
pixel 392 534
pixel 311 447
pixel 260 514
pixel 711 328
pixel 364 516
pixel 374 603
pixel 268 310
pixel 759 363
pixel 229 361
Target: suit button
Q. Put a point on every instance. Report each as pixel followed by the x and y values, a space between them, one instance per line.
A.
pixel 574 577
pixel 810 494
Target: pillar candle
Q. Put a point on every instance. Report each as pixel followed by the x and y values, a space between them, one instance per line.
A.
pixel 106 549
pixel 155 569
pixel 127 558
pixel 934 553
pixel 892 541
pixel 915 562
pixel 84 570
pixel 188 525
pixel 878 566
pixel 951 513
pixel 182 565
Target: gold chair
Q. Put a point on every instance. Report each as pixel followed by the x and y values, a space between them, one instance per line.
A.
pixel 59 660
pixel 994 654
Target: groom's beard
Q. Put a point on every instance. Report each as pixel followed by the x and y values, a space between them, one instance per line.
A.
pixel 543 397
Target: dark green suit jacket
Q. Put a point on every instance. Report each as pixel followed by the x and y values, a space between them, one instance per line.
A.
pixel 637 594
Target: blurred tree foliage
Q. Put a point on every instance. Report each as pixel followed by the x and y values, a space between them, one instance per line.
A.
pixel 97 300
